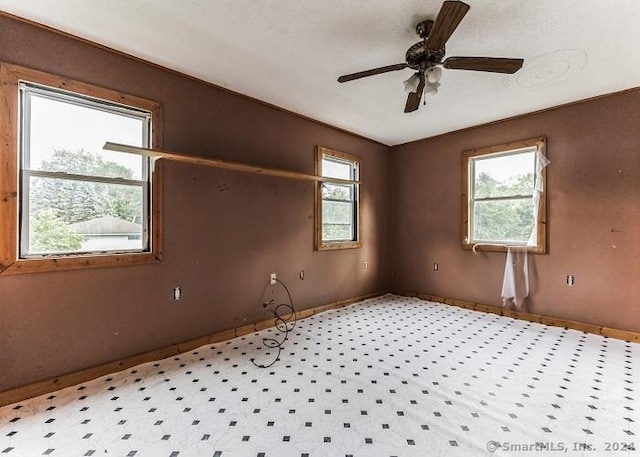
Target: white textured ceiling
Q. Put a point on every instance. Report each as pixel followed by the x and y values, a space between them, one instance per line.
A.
pixel 290 52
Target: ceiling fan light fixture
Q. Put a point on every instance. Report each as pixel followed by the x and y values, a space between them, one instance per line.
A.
pixel 431 88
pixel 433 75
pixel 411 84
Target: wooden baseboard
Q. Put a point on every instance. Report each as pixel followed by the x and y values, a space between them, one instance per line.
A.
pixel 556 322
pixel 17 394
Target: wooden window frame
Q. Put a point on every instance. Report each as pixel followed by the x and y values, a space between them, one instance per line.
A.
pixel 10 263
pixel 321 245
pixel 541 247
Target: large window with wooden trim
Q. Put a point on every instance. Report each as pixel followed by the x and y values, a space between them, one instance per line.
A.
pixel 73 204
pixel 503 196
pixel 337 200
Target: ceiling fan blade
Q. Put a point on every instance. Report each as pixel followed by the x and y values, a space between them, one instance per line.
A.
pixel 492 64
pixel 449 17
pixel 375 71
pixel 413 100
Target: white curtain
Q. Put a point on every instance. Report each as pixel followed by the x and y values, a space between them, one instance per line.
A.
pixel 538 188
pixel 515 284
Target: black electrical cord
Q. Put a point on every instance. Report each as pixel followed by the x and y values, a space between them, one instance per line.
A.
pixel 284 323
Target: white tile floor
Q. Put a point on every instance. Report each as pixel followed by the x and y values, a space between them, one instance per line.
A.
pixel 391 376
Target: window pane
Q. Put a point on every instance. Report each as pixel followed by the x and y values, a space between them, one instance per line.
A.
pixel 337 192
pixel 337 212
pixel 64 136
pixel 336 168
pixel 504 176
pixel 79 216
pixel 336 232
pixel 504 221
pixel 337 221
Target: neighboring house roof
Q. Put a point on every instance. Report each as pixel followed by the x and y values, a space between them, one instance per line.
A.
pixel 107 225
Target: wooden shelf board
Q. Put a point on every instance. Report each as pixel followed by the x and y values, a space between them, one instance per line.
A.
pixel 219 163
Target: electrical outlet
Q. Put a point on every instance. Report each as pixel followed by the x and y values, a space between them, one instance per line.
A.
pixel 302 274
pixel 177 293
pixel 435 267
pixel 365 265
pixel 570 280
pixel 272 279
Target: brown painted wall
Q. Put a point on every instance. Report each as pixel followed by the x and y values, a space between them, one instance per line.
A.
pixel 224 231
pixel 593 187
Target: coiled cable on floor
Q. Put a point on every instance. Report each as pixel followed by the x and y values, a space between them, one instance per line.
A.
pixel 285 318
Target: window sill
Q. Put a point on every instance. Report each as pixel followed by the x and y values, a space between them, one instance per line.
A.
pixel 22 266
pixel 339 245
pixel 503 248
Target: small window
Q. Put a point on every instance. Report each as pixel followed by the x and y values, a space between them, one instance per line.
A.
pixel 76 205
pixel 503 196
pixel 337 203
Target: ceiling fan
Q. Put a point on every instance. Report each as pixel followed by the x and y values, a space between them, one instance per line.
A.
pixel 426 56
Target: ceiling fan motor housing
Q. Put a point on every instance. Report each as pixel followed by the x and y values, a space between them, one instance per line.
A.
pixel 418 57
